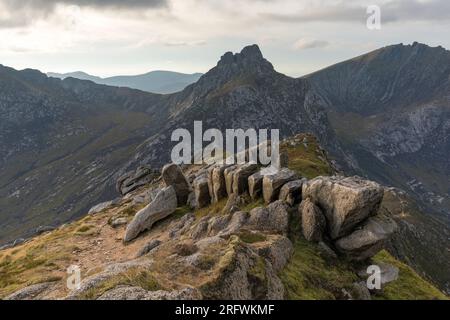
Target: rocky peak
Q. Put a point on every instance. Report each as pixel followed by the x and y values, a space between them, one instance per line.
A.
pixel 248 64
pixel 250 58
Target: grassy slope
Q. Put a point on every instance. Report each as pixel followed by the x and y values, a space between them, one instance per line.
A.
pixel 309 274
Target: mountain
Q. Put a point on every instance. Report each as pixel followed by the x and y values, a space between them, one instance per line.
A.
pixel 59 141
pixel 234 247
pixel 383 116
pixel 155 81
pixel 390 111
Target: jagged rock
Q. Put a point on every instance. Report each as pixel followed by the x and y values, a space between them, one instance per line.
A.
pixel 200 229
pixel 233 204
pixel 228 174
pixel 278 252
pixel 219 190
pixel 313 221
pixel 134 179
pixel 274 217
pixel 110 271
pixel 358 291
pixel 146 196
pixel 368 240
pixel 43 229
pixel 273 183
pixel 255 185
pixel 148 247
pixel 119 222
pixel 182 224
pixel 201 192
pixel 240 177
pixel 138 293
pixel 31 292
pixel 291 192
pixel 162 206
pixel 235 222
pixel 245 276
pixel 103 206
pixel 345 202
pixel 172 175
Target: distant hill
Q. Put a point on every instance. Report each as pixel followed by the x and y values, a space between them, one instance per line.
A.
pixel 154 81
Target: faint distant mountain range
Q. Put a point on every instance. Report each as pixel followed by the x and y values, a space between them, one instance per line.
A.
pixel 154 81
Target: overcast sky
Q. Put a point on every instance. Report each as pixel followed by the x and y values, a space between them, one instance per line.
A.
pixel 112 37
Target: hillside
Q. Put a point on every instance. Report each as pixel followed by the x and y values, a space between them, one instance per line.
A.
pixel 77 137
pixel 176 259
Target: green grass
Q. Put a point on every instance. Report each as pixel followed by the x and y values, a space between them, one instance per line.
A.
pixel 409 285
pixel 308 276
pixel 251 237
pixel 308 161
pixel 212 209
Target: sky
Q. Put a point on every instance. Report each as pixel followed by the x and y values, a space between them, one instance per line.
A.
pixel 114 37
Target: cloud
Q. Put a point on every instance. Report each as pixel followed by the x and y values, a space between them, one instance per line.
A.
pixel 304 44
pixel 355 11
pixel 15 13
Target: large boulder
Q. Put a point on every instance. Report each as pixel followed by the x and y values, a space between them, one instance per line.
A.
pixel 255 185
pixel 291 192
pixel 228 175
pixel 272 183
pixel 173 176
pixel 162 206
pixel 274 218
pixel 217 183
pixel 135 179
pixel 368 240
pixel 313 221
pixel 201 192
pixel 240 177
pixel 346 202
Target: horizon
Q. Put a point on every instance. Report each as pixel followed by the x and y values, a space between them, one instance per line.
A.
pixel 212 66
pixel 298 37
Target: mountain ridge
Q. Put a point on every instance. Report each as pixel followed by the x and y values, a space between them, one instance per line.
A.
pixel 157 81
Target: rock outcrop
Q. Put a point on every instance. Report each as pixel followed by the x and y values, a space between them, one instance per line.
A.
pixel 345 201
pixel 313 221
pixel 135 179
pixel 162 206
pixel 172 175
pixel 368 240
pixel 350 206
pixel 273 183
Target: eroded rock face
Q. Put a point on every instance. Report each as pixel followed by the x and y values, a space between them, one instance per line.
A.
pixel 162 206
pixel 291 192
pixel 240 177
pixel 217 183
pixel 201 192
pixel 274 217
pixel 346 202
pixel 246 276
pixel 228 174
pixel 368 240
pixel 173 176
pixel 135 179
pixel 273 183
pixel 32 292
pixel 255 185
pixel 313 221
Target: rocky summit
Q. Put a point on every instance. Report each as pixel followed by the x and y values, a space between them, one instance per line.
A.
pixel 306 240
